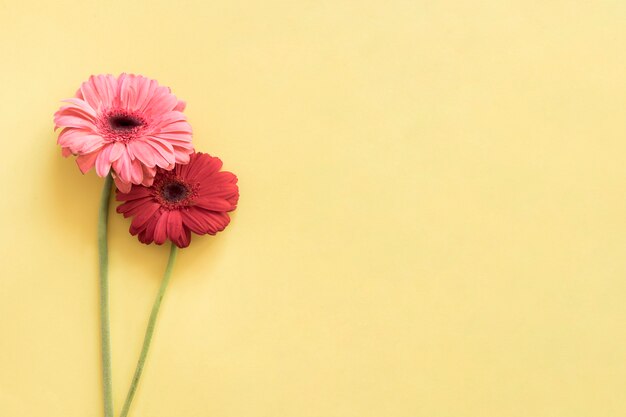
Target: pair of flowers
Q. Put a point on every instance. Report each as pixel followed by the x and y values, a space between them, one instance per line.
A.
pixel 135 130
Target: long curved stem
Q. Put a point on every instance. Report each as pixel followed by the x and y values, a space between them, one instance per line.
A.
pixel 149 331
pixel 105 332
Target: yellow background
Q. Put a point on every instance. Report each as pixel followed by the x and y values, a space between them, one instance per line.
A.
pixel 432 217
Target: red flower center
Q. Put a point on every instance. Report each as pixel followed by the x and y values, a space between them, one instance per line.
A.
pixel 171 192
pixel 175 192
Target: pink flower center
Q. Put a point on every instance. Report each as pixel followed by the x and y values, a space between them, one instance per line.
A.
pixel 124 122
pixel 121 125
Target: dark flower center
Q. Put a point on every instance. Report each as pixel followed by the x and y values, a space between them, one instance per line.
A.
pixel 175 192
pixel 124 122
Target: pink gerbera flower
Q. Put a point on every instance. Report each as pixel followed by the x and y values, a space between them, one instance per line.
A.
pixel 129 124
pixel 190 198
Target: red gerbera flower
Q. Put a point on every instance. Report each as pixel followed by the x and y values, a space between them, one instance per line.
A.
pixel 195 197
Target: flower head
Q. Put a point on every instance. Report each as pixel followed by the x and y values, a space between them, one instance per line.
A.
pixel 190 198
pixel 128 124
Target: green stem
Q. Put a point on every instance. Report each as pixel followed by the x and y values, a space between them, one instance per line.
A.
pixel 105 332
pixel 149 331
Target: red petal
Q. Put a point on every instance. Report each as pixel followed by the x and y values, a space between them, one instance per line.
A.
pixel 175 226
pixel 213 203
pixel 142 219
pixel 133 194
pixel 160 230
pixel 203 221
pixel 147 235
pixel 135 207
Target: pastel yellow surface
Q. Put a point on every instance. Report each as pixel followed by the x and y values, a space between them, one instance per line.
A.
pixel 432 218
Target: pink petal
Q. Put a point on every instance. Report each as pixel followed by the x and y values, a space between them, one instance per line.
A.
pixel 127 91
pixel 136 171
pixel 76 138
pixel 67 117
pixel 180 106
pixel 143 90
pixel 97 91
pixel 121 185
pixel 143 99
pixel 173 116
pixel 122 167
pixel 83 106
pixel 143 152
pixel 103 162
pixel 161 102
pixel 92 143
pixel 86 161
pixel 148 175
pixel 181 157
pixel 162 152
pixel 117 150
pixel 106 86
pixel 177 129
